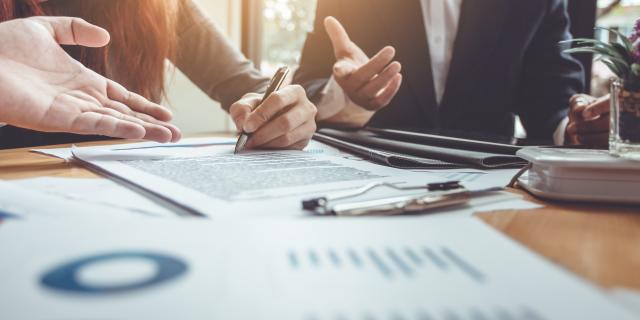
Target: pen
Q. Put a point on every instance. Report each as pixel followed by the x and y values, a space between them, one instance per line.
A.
pixel 274 85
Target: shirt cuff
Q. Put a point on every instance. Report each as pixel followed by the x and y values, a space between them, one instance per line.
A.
pixel 559 134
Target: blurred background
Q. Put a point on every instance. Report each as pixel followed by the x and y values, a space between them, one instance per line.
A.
pixel 272 32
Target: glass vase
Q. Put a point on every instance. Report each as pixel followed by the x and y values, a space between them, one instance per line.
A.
pixel 624 138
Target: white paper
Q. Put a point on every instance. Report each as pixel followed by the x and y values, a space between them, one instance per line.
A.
pixel 28 204
pixel 213 181
pixel 65 153
pixel 627 298
pixel 101 192
pixel 315 269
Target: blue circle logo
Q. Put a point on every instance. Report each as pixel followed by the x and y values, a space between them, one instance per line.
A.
pixel 66 277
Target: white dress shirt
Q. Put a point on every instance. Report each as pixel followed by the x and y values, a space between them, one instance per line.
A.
pixel 441 19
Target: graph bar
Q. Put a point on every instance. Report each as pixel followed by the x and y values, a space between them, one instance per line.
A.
pixel 335 259
pixel 408 271
pixel 529 314
pixel 439 262
pixel 355 258
pixel 463 265
pixel 293 260
pixel 502 314
pixel 313 258
pixel 476 314
pixel 413 256
pixel 451 315
pixel 379 263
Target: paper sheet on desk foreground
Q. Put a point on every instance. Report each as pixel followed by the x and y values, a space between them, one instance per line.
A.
pixel 213 181
pixel 97 192
pixel 402 268
pixel 157 148
pixel 30 204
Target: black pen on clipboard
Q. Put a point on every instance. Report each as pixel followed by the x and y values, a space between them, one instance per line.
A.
pixel 274 85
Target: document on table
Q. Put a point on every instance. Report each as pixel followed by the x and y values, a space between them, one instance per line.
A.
pixel 214 181
pixel 151 147
pixel 97 192
pixel 404 268
pixel 27 203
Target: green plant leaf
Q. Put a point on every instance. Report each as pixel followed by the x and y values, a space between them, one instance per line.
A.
pixel 625 41
pixel 613 68
pixel 607 52
pixel 623 52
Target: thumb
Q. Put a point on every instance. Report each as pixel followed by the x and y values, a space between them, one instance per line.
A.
pixel 343 68
pixel 338 36
pixel 74 31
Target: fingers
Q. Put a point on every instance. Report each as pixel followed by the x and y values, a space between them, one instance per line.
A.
pixel 373 87
pixel 375 66
pixel 295 139
pixel 599 107
pixel 241 110
pixel 277 102
pixel 155 130
pixel 286 115
pixel 343 69
pixel 578 103
pixel 101 124
pixel 136 102
pixel 384 98
pixel 599 125
pixel 74 31
pixel 338 36
pixel 281 126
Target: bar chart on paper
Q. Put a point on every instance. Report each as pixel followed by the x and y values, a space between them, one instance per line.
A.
pixel 401 264
pixel 389 263
pixel 425 270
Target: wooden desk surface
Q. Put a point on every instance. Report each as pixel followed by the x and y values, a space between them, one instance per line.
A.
pixel 599 243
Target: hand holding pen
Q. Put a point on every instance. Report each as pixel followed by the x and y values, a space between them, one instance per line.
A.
pixel 280 119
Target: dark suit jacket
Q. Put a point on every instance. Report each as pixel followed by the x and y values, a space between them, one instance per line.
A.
pixel 506 61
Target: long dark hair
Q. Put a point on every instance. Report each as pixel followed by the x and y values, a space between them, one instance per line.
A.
pixel 142 37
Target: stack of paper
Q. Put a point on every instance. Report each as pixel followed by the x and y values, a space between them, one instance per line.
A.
pixel 438 269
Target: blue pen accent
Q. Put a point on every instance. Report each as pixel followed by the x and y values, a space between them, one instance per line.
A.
pixel 65 277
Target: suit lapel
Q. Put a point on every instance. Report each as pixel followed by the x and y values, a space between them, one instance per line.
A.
pixel 403 23
pixel 479 29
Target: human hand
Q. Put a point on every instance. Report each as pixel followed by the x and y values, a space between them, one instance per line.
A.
pixel 371 83
pixel 286 119
pixel 44 89
pixel 588 121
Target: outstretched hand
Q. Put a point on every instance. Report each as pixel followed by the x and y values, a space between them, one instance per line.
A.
pixel 42 88
pixel 371 83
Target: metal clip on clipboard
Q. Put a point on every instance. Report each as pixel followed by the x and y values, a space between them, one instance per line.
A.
pixel 437 196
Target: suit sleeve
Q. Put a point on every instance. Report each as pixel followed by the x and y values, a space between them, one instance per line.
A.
pixel 550 76
pixel 207 58
pixel 317 60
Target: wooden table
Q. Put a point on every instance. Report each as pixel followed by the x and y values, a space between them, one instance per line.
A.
pixel 600 243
